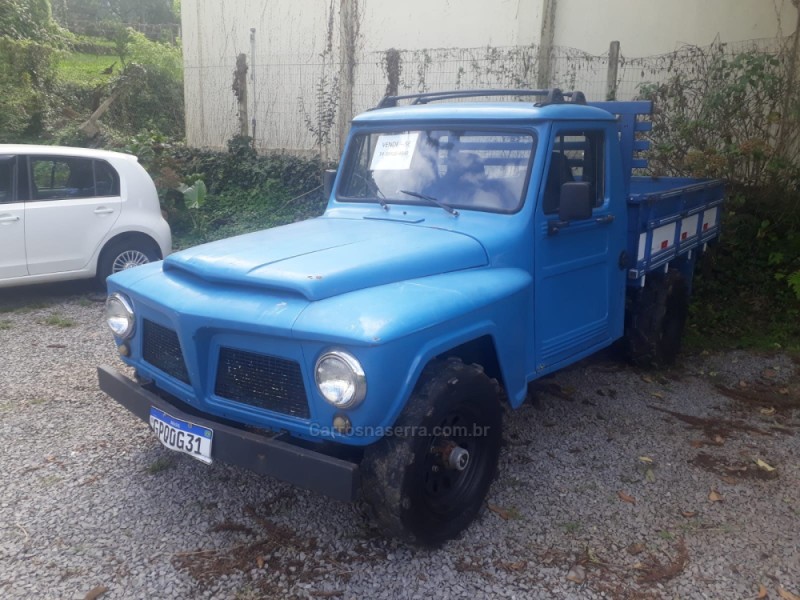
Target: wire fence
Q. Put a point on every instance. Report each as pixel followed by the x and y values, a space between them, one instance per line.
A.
pixel 295 102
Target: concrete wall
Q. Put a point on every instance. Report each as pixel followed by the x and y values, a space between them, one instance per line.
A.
pixel 303 71
pixel 646 27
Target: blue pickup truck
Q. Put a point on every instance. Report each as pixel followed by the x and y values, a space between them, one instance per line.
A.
pixel 468 248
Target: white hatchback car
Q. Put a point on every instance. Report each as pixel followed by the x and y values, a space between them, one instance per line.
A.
pixel 75 213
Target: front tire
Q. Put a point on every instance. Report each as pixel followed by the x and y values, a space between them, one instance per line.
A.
pixel 426 483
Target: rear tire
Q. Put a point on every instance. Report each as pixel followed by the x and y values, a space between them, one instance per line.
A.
pixel 656 320
pixel 413 492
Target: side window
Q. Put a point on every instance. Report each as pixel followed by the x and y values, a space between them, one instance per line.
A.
pixel 6 179
pixel 576 156
pixel 106 179
pixel 57 177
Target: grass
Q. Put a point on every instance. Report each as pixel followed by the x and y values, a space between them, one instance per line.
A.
pixel 85 69
pixel 56 320
pixel 5 324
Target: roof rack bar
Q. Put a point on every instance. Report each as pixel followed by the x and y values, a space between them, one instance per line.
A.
pixel 552 96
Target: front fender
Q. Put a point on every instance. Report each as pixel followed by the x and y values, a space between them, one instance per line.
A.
pixel 396 329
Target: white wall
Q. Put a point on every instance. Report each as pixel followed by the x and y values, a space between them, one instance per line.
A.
pixel 647 27
pixel 447 44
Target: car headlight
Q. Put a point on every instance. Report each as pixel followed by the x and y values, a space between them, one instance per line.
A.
pixel 340 379
pixel 119 316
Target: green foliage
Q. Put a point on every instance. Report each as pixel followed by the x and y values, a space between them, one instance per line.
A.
pixel 27 78
pixel 29 20
pixel 151 87
pixel 737 117
pixel 245 191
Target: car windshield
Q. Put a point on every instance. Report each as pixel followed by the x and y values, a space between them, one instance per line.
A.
pixel 477 170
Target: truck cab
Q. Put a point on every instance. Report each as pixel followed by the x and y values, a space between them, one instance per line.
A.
pixel 468 248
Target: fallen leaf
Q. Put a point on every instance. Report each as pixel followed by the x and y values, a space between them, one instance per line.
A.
pixel 714 496
pixel 650 476
pixel 742 383
pixel 697 443
pixel 626 497
pixel 768 412
pixel 647 379
pixel 783 391
pixel 577 574
pixel 762 592
pixel 645 459
pixel 718 439
pixel 96 592
pixel 769 373
pixel 729 480
pixel 764 466
pixel 637 548
pixel 658 395
pixel 260 562
pixel 500 512
pixel 787 595
pixel 689 513
pixel 516 566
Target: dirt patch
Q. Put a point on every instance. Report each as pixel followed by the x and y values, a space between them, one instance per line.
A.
pixel 277 559
pixel 654 571
pixel 781 399
pixel 731 471
pixel 713 428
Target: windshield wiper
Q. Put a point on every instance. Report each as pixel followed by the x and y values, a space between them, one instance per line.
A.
pixel 438 203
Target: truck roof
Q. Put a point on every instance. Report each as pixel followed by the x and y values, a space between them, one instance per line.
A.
pixel 484 111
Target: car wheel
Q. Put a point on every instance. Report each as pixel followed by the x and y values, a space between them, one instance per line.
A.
pixel 125 255
pixel 426 482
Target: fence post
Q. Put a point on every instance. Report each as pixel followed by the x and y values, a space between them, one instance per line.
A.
pixel 348 31
pixel 240 91
pixel 613 70
pixel 253 80
pixel 546 36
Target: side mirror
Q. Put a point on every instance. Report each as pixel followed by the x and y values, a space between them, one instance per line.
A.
pixel 328 177
pixel 576 201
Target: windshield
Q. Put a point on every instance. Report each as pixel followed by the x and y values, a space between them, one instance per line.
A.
pixel 478 170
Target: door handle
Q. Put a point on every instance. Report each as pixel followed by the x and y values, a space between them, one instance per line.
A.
pixel 8 219
pixel 604 220
pixel 103 211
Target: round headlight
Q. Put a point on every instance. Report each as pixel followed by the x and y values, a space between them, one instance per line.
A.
pixel 340 379
pixel 119 316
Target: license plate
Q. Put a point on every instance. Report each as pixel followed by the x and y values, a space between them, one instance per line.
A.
pixel 182 436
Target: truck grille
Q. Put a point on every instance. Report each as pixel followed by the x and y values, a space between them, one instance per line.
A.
pixel 262 381
pixel 161 348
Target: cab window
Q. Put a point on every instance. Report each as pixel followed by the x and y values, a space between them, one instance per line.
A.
pixel 576 156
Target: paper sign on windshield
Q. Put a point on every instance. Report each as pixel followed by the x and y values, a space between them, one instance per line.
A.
pixel 394 152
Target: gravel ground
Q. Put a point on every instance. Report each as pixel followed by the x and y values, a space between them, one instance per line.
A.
pixel 614 483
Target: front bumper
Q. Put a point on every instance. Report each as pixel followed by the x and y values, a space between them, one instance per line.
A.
pixel 273 456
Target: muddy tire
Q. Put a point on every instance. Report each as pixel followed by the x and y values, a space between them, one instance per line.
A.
pixel 420 486
pixel 656 320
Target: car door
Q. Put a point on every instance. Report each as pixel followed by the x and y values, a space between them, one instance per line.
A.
pixel 71 210
pixel 12 223
pixel 579 287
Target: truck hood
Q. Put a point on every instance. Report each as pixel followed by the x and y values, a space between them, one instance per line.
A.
pixel 325 257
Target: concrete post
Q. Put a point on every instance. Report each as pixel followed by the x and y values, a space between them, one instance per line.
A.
pixel 348 34
pixel 613 70
pixel 546 36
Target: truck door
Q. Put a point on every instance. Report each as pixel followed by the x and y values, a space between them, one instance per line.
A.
pixel 12 223
pixel 579 286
